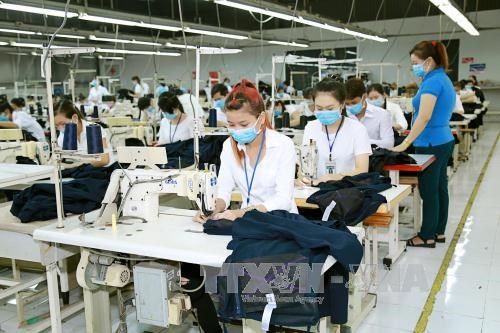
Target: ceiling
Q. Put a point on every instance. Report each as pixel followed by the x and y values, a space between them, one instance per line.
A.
pixel 207 14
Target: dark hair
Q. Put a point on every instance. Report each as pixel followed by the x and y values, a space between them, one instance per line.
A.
pixel 286 83
pixel 219 88
pixel 168 102
pixel 136 78
pixel 68 109
pixel 354 88
pixel 143 103
pixel 5 106
pixel 475 79
pixel 377 87
pixel 203 93
pixel 331 86
pixel 434 49
pixel 280 102
pixel 19 101
pixel 463 83
pixel 308 93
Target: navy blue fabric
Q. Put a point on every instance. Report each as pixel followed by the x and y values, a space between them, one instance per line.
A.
pixel 286 238
pixel 81 195
pixel 218 227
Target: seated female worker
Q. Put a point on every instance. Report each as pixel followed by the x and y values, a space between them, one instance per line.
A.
pixel 256 160
pixel 66 112
pixel 343 143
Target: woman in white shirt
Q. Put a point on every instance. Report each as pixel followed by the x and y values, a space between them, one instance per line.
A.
pixel 343 143
pixel 66 112
pixel 377 97
pixel 18 118
pixel 176 125
pixel 256 160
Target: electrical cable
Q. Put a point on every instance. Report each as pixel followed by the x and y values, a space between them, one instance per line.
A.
pixel 399 31
pixel 197 288
pixel 54 36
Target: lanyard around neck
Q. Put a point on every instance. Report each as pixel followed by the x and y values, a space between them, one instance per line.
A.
pixel 249 185
pixel 175 130
pixel 330 146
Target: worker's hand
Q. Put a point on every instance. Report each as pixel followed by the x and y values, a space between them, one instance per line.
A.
pixel 184 281
pixel 200 218
pixel 230 215
pixel 400 148
pixel 302 181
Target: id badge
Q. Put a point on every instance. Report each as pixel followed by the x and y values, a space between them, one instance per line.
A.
pixel 331 167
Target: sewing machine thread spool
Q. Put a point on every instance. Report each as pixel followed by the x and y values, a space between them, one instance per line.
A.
pixel 70 137
pixel 278 122
pixel 82 110
pixel 285 119
pixel 32 109
pixel 94 139
pixel 212 118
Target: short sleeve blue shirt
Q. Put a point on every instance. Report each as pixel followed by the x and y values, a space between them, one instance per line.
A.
pixel 437 131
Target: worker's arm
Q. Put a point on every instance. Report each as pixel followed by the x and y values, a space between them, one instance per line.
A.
pixel 104 160
pixel 427 104
pixel 8 124
pixel 295 119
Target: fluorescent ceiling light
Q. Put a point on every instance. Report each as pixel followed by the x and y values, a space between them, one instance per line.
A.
pixel 286 43
pixel 101 19
pixel 221 50
pixel 18 53
pixel 456 16
pixel 214 33
pixel 38 46
pixel 36 10
pixel 254 9
pixel 158 26
pixel 192 47
pixel 110 58
pixel 350 52
pixel 125 41
pixel 68 36
pixel 170 54
pixel 21 32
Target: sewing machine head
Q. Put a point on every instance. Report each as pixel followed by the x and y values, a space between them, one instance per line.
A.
pixel 134 193
pixel 308 159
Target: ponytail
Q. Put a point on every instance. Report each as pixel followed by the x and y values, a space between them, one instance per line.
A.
pixel 434 49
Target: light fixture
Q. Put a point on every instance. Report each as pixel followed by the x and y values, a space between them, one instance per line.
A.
pixel 456 16
pixel 36 10
pixel 4 43
pixel 218 50
pixel 300 19
pixel 192 47
pixel 67 36
pixel 101 19
pixel 18 53
pixel 38 46
pixel 33 53
pixel 21 32
pixel 288 44
pixel 169 54
pixel 110 58
pixel 253 9
pixel 124 41
pixel 350 52
pixel 214 33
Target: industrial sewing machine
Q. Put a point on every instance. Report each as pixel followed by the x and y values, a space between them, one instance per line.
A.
pixel 307 155
pixel 13 147
pixel 135 192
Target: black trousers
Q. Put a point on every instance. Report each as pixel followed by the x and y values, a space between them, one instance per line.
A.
pixel 200 300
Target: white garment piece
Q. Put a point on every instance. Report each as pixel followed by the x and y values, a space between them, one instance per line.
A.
pixel 145 88
pixel 221 115
pixel 459 108
pixel 184 130
pixel 305 109
pixel 96 93
pixel 393 93
pixel 352 140
pixel 82 143
pixel 274 179
pixel 139 90
pixel 186 100
pixel 378 123
pixel 26 122
pixel 397 115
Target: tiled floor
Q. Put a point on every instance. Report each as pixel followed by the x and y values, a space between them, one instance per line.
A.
pixel 469 299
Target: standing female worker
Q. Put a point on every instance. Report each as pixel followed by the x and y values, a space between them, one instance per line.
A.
pixel 343 143
pixel 256 160
pixel 175 125
pixel 431 134
pixel 66 112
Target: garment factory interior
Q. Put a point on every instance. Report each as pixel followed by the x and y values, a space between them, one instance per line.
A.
pixel 249 166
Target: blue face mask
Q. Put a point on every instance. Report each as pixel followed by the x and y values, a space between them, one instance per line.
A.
pixel 379 102
pixel 278 113
pixel 328 117
pixel 355 109
pixel 245 135
pixel 219 104
pixel 169 116
pixel 3 118
pixel 151 109
pixel 280 95
pixel 418 70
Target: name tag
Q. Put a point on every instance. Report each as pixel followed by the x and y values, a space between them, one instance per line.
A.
pixel 331 167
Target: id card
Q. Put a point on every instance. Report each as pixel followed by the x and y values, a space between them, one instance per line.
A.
pixel 331 167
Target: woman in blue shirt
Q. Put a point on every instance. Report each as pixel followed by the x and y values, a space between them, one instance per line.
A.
pixel 431 134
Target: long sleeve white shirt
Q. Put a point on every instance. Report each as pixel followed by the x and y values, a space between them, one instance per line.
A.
pixel 378 123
